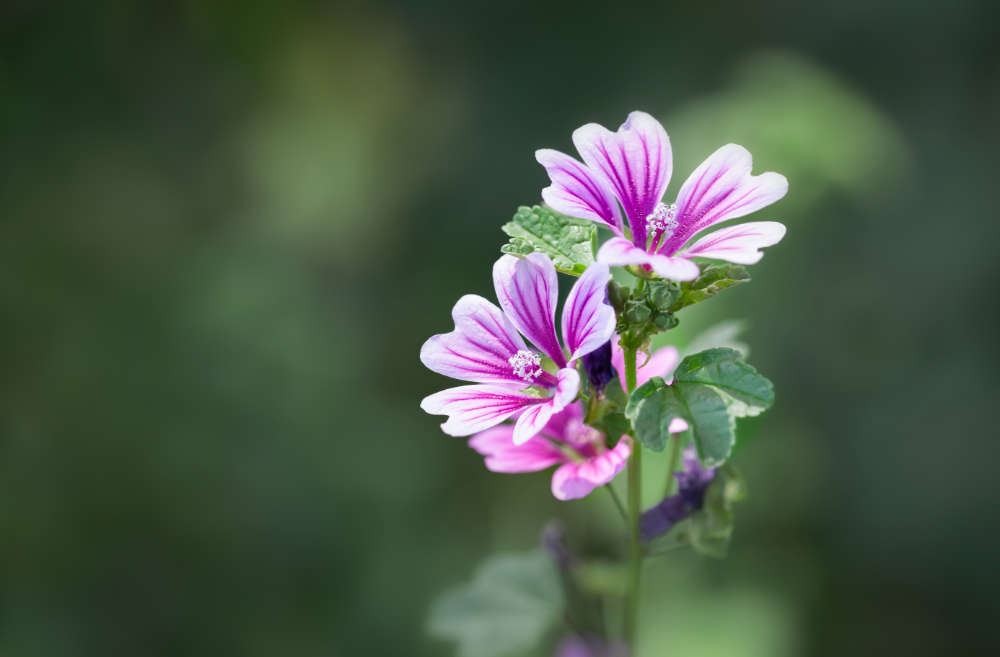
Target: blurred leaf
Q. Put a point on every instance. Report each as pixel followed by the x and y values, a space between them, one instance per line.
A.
pixel 568 242
pixel 722 334
pixel 710 529
pixel 602 578
pixel 709 391
pixel 511 602
pixel 712 280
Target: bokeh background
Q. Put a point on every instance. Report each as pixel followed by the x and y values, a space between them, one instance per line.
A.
pixel 228 227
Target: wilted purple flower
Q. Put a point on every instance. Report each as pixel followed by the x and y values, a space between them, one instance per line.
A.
pixel 486 348
pixel 586 461
pixel 621 183
pixel 692 482
pixel 598 366
pixel 592 646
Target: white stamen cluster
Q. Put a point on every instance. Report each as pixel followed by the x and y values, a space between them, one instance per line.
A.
pixel 662 221
pixel 526 365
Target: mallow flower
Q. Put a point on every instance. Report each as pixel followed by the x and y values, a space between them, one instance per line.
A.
pixel 585 462
pixel 512 378
pixel 621 182
pixel 661 363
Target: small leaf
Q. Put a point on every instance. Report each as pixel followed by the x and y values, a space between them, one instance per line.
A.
pixel 507 608
pixel 710 389
pixel 568 242
pixel 712 280
pixel 710 529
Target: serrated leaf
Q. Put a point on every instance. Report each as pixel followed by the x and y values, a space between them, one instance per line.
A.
pixel 568 242
pixel 712 280
pixel 507 608
pixel 747 391
pixel 710 389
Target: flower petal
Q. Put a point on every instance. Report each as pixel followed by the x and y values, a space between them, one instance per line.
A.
pixel 587 319
pixel 740 243
pixel 535 418
pixel 661 363
pixel 528 290
pixel 618 251
pixel 480 346
pixel 502 455
pixel 636 160
pixel 722 188
pixel 575 480
pixel 478 407
pixel 577 191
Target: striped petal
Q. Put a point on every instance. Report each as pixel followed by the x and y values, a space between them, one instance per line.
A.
pixel 618 251
pixel 475 408
pixel 480 346
pixel 636 160
pixel 740 243
pixel 577 191
pixel 528 290
pixel 535 418
pixel 722 188
pixel 502 455
pixel 587 319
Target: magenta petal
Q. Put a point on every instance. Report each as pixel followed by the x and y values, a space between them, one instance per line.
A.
pixel 722 188
pixel 477 407
pixel 502 455
pixel 575 480
pixel 587 319
pixel 559 425
pixel 528 289
pixel 740 243
pixel 636 160
pixel 577 192
pixel 480 346
pixel 677 425
pixel 535 418
pixel 618 251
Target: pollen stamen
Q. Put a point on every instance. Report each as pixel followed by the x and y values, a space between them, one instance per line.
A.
pixel 526 365
pixel 660 225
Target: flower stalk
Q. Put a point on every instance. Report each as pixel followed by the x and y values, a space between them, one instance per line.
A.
pixel 634 492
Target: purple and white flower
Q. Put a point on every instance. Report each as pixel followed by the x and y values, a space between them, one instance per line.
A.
pixel 509 375
pixel 621 183
pixel 586 462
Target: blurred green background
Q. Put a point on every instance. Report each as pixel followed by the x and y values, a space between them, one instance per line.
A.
pixel 228 227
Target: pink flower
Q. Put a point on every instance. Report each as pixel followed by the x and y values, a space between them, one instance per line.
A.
pixel 621 182
pixel 661 363
pixel 486 348
pixel 586 461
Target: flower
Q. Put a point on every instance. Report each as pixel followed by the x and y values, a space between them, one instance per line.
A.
pixel 692 482
pixel 486 348
pixel 661 363
pixel 586 461
pixel 621 182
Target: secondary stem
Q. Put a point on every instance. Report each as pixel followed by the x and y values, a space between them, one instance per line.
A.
pixel 675 451
pixel 635 549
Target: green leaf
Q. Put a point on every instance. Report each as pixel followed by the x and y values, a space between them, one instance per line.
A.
pixel 747 391
pixel 710 390
pixel 568 242
pixel 712 280
pixel 710 529
pixel 507 608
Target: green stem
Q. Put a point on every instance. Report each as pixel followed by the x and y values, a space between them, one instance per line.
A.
pixel 618 501
pixel 675 451
pixel 635 548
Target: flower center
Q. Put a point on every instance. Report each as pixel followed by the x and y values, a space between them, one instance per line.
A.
pixel 583 435
pixel 526 365
pixel 660 225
